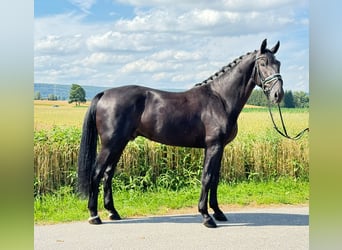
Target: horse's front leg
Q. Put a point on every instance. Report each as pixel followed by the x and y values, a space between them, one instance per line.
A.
pixel 213 203
pixel 212 160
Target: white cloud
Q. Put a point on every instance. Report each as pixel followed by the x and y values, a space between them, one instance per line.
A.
pixel 58 44
pixel 207 21
pixel 84 5
pixel 231 5
pixel 176 55
pixel 206 17
pixel 172 45
pixel 101 58
pixel 116 41
pixel 146 66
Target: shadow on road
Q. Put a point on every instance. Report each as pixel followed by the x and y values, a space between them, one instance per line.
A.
pixel 234 219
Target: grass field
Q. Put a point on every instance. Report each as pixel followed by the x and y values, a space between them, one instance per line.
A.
pixel 57 113
pixel 252 120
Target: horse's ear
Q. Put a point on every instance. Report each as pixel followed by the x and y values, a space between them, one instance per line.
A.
pixel 263 46
pixel 275 48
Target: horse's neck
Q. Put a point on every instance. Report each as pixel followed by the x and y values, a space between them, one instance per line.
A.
pixel 236 86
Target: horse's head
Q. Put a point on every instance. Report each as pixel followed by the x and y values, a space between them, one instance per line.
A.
pixel 267 73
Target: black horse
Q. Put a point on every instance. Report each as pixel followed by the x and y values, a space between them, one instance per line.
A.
pixel 204 116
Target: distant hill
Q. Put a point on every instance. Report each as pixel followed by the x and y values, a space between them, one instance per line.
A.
pixel 62 90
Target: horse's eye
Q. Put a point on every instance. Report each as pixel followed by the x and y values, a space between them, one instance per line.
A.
pixel 263 64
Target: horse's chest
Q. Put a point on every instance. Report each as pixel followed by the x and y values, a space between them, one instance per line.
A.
pixel 231 133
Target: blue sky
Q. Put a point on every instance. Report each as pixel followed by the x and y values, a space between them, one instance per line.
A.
pixel 169 44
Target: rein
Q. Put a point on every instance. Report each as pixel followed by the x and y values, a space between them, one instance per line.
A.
pixel 284 132
pixel 272 79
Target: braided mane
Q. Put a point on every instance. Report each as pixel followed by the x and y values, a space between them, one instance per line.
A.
pixel 224 69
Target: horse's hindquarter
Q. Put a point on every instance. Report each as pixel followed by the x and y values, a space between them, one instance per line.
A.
pixel 119 111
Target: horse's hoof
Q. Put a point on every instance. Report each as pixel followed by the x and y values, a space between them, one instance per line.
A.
pixel 114 216
pixel 220 216
pixel 209 222
pixel 95 220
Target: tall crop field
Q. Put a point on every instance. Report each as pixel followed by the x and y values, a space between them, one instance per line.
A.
pixel 258 153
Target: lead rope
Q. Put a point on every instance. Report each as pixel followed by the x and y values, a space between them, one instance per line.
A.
pixel 297 137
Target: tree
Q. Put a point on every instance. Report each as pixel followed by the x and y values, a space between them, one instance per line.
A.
pixel 288 99
pixel 296 99
pixel 77 94
pixel 301 99
pixel 37 95
pixel 257 98
pixel 52 97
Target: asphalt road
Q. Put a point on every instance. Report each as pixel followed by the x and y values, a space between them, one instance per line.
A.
pixel 285 227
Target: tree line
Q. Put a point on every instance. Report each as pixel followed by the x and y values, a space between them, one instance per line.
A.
pixel 296 99
pixel 77 95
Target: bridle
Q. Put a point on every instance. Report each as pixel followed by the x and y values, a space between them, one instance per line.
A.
pixel 267 83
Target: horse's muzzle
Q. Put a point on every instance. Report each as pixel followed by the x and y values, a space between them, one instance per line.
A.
pixel 276 93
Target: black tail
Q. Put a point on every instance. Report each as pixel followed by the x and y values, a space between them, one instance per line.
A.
pixel 87 153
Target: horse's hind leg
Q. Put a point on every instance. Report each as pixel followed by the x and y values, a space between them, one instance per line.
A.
pixel 108 195
pixel 108 156
pixel 94 191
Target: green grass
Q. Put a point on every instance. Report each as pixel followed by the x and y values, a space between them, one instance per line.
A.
pixel 65 206
pixel 282 191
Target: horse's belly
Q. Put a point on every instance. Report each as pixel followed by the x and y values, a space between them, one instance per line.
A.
pixel 174 135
